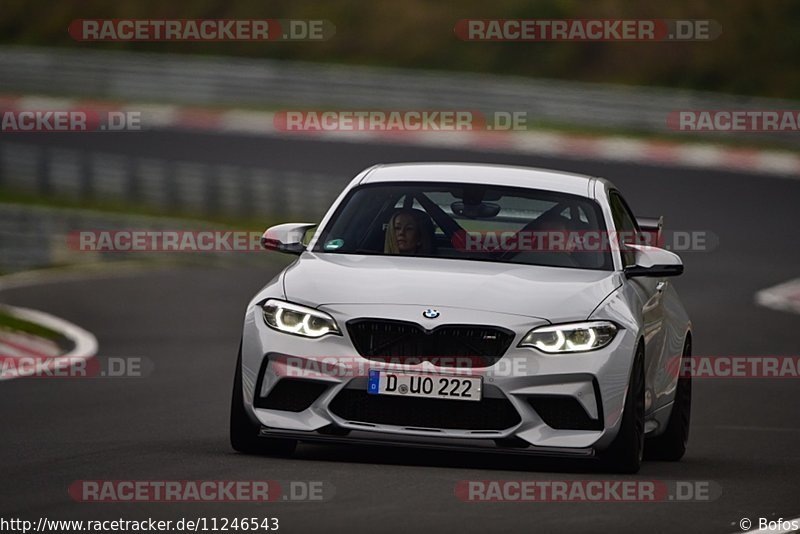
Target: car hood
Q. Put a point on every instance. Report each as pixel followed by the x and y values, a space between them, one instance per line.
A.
pixel 552 293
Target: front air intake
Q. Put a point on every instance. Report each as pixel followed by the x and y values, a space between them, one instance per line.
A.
pixel 291 395
pixel 473 345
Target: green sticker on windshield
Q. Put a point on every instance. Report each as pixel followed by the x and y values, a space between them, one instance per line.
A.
pixel 333 244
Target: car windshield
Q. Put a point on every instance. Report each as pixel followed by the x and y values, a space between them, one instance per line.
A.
pixel 469 222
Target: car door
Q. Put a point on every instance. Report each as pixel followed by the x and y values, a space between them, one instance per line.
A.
pixel 651 296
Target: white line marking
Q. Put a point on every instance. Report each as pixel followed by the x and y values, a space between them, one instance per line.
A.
pixel 85 342
pixel 783 297
pixel 21 342
pixel 775 531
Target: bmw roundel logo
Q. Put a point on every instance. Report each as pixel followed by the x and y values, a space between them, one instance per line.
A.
pixel 430 313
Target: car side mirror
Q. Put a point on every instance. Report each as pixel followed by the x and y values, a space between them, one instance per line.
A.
pixel 654 262
pixel 287 238
pixel 652 230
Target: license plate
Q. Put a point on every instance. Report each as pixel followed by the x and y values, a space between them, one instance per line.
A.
pixel 424 385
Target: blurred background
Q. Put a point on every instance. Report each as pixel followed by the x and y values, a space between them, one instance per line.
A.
pixel 209 154
pixel 758 38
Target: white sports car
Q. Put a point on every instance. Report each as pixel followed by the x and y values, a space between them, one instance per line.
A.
pixel 470 307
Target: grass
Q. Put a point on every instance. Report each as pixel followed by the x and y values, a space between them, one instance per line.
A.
pixel 16 196
pixel 131 211
pixel 15 324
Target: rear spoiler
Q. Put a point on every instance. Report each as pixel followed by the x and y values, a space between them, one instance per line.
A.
pixel 652 230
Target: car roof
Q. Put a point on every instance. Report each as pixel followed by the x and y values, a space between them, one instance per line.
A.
pixel 505 175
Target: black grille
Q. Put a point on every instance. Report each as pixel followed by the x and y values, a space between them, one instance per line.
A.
pixel 563 413
pixel 486 414
pixel 473 345
pixel 291 395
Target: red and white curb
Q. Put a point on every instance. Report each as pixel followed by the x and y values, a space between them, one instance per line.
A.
pixel 22 346
pixel 783 297
pixel 542 143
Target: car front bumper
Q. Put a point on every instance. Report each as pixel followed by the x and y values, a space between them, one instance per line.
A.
pixel 563 405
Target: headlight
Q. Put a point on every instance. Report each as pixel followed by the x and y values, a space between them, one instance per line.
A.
pixel 575 337
pixel 299 320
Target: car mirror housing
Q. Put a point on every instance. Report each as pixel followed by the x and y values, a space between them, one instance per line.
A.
pixel 652 230
pixel 654 262
pixel 287 238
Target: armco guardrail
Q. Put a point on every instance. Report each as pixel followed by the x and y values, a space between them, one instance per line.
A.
pixel 233 189
pixel 37 236
pixel 201 80
pixel 172 185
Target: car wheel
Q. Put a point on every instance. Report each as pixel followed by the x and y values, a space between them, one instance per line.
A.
pixel 671 445
pixel 624 455
pixel 244 433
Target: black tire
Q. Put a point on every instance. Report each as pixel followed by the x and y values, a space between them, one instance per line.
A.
pixel 671 445
pixel 244 433
pixel 625 453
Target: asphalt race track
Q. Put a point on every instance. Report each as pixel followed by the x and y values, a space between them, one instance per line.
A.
pixel 172 424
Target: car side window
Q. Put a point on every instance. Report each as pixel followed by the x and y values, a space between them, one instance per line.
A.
pixel 625 223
